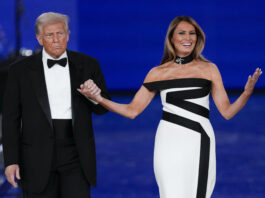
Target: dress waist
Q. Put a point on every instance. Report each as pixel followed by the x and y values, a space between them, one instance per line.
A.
pixel 184 122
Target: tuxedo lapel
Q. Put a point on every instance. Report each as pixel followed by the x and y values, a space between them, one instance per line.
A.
pixel 38 80
pixel 76 79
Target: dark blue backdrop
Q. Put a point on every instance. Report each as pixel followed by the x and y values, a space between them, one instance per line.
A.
pixel 128 36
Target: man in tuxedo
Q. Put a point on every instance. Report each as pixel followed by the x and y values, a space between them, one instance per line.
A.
pixel 48 139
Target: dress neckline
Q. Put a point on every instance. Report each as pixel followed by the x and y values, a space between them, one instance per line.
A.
pixel 177 79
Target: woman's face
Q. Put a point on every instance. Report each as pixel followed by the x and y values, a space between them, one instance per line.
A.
pixel 184 38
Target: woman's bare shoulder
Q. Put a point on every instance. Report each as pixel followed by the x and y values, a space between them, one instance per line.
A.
pixel 212 70
pixel 155 73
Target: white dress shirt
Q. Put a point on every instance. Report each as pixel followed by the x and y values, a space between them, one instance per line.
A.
pixel 58 87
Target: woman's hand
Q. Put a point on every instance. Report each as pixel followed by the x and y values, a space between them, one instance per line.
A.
pixel 90 90
pixel 221 99
pixel 249 87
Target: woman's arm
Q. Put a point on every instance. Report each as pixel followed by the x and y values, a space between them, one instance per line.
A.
pixel 221 99
pixel 140 101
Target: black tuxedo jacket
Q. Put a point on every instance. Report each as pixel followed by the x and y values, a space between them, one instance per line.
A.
pixel 27 124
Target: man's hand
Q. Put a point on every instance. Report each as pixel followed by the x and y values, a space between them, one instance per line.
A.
pixel 12 172
pixel 90 90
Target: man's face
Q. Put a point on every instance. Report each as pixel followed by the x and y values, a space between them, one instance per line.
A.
pixel 54 38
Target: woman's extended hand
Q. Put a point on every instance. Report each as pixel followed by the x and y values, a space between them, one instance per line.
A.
pixel 249 87
pixel 90 90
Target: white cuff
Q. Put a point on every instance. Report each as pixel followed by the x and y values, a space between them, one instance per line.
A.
pixel 93 101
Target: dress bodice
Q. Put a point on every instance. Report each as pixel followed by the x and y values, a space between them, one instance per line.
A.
pixel 190 94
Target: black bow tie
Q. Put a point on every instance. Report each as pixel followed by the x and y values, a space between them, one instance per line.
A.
pixel 61 62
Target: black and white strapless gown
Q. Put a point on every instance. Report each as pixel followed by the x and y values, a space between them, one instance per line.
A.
pixel 184 154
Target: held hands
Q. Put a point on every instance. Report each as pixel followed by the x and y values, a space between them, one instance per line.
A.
pixel 12 172
pixel 90 90
pixel 249 87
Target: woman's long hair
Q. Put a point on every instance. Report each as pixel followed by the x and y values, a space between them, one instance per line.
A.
pixel 169 48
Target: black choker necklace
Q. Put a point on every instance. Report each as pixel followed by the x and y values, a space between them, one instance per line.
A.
pixel 183 60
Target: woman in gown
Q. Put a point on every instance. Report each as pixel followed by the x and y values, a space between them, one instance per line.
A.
pixel 184 154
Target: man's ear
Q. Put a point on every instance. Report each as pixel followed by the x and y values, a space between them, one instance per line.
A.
pixel 68 34
pixel 39 38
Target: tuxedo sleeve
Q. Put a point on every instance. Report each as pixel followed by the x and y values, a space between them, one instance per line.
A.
pixel 98 78
pixel 11 120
